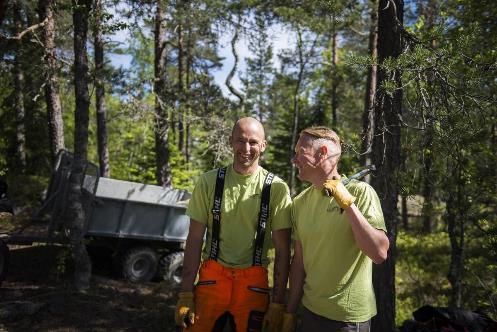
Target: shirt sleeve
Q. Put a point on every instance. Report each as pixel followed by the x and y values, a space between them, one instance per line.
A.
pixel 198 207
pixel 368 202
pixel 281 205
pixel 295 233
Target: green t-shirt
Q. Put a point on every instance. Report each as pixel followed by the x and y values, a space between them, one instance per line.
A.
pixel 239 214
pixel 338 283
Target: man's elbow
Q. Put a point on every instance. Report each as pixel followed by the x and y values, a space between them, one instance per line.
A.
pixel 380 257
pixel 381 254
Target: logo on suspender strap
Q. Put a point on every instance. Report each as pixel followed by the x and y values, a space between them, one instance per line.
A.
pixel 263 218
pixel 216 213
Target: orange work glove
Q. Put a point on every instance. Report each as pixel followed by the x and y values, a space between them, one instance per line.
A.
pixel 185 309
pixel 339 192
pixel 288 323
pixel 273 317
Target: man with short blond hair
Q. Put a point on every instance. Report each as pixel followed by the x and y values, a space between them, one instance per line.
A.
pixel 339 232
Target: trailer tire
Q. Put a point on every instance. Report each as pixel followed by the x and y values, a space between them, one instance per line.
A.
pixel 171 266
pixel 4 260
pixel 139 264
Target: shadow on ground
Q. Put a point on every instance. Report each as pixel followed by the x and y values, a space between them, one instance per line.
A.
pixel 37 295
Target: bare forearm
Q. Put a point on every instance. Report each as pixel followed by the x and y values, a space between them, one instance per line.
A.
pixel 297 278
pixel 280 276
pixel 281 240
pixel 373 242
pixel 191 262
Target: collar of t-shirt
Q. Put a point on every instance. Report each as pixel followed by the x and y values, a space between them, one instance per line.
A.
pixel 242 178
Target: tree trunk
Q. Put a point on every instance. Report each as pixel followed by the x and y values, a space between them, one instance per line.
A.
pixel 19 95
pixel 103 151
pixel 368 115
pixel 455 227
pixel 427 179
pixel 296 110
pixel 163 168
pixel 430 12
pixel 334 75
pixel 386 156
pixel 76 218
pixel 2 11
pixel 189 62
pixel 54 109
pixel 181 88
pixel 405 213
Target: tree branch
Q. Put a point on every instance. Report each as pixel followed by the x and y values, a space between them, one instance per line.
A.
pixel 22 33
pixel 232 89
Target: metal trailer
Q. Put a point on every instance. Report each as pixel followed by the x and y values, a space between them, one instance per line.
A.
pixel 143 226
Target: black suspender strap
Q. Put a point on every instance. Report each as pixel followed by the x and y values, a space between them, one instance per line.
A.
pixel 216 213
pixel 263 218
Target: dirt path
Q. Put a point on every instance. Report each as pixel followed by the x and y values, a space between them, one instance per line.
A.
pixel 37 296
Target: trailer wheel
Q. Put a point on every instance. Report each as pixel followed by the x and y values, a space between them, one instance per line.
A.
pixel 171 267
pixel 139 264
pixel 4 260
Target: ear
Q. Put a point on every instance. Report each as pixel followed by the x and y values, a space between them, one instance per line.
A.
pixel 263 145
pixel 323 151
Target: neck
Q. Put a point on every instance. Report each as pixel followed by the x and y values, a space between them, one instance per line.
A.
pixel 324 175
pixel 240 169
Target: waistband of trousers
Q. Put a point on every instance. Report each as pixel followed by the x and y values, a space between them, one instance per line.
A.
pixel 212 265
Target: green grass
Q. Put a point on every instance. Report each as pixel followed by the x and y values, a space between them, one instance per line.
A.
pixel 421 268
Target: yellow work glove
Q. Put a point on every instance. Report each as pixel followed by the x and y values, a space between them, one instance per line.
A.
pixel 273 317
pixel 339 192
pixel 185 309
pixel 288 323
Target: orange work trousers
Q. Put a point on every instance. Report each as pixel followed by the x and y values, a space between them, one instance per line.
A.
pixel 244 293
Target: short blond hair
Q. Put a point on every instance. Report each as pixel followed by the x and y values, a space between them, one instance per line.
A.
pixel 322 132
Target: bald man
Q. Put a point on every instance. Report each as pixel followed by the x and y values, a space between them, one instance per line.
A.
pixel 245 209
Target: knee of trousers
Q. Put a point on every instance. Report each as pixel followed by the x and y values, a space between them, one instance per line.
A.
pixel 250 301
pixel 242 292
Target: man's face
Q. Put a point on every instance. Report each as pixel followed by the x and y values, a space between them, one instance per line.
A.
pixel 306 158
pixel 248 143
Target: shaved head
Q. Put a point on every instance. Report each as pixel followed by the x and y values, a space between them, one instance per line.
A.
pixel 248 142
pixel 249 123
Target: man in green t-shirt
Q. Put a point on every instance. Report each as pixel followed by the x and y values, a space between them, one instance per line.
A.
pixel 231 204
pixel 339 231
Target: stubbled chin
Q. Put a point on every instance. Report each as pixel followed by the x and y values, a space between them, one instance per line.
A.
pixel 247 161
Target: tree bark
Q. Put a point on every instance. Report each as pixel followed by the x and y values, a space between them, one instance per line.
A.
pixel 386 155
pixel 429 11
pixel 296 110
pixel 103 151
pixel 181 87
pixel 75 213
pixel 19 95
pixel 455 227
pixel 189 62
pixel 368 115
pixel 52 98
pixel 2 11
pixel 427 179
pixel 405 213
pixel 334 74
pixel 163 168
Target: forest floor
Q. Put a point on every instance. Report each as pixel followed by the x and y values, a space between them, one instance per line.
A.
pixel 38 295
